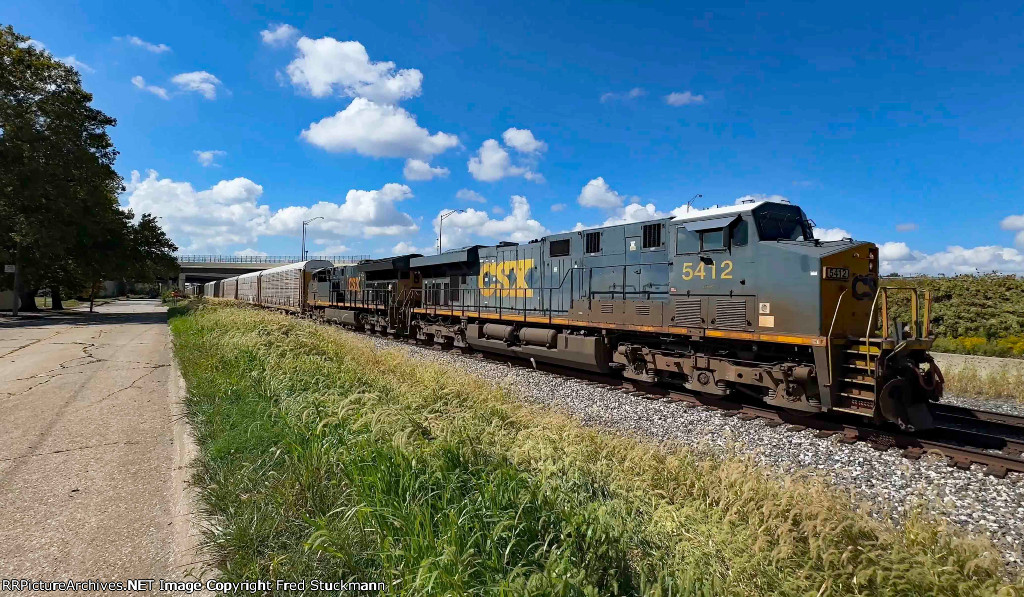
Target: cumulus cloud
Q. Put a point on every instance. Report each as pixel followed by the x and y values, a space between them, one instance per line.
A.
pixel 629 214
pixel 897 257
pixel 597 193
pixel 279 35
pixel 517 226
pixel 684 98
pixel 145 45
pixel 364 213
pixel 77 64
pixel 523 141
pixel 35 44
pixel 831 234
pixel 328 249
pixel 907 227
pixel 157 91
pixel 208 158
pixel 249 252
pixel 226 214
pixel 405 248
pixel 627 95
pixel 200 82
pixel 468 195
pixel 1015 223
pixel 492 162
pixel 420 170
pixel 327 67
pixel 377 130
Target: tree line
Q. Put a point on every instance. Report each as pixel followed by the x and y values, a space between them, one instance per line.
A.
pixel 61 223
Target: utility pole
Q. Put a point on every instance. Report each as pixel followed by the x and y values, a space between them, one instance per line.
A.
pixel 304 222
pixel 17 279
pixel 440 225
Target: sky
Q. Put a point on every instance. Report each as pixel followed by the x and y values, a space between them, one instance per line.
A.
pixel 886 122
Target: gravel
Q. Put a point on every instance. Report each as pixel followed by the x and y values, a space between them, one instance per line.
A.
pixel 888 484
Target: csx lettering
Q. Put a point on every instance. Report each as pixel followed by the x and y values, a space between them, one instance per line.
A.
pixel 711 271
pixel 494 278
pixel 353 284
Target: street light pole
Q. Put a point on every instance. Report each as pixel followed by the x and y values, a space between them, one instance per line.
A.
pixel 440 225
pixel 302 255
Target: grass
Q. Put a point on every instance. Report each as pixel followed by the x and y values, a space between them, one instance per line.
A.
pixel 994 383
pixel 321 457
pixel 1008 347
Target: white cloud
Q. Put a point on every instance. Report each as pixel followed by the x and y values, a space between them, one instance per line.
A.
pixel 685 98
pixel 201 82
pixel 492 163
pixel 631 94
pixel 557 207
pixel 328 249
pixel 597 193
pixel 77 64
pixel 830 234
pixel 953 260
pixel 157 91
pixel 629 214
pixel 34 43
pixel 518 226
pixel 1015 223
pixel 280 35
pixel 420 170
pixel 893 251
pixel 404 248
pixel 523 141
pixel 249 252
pixel 224 215
pixel 907 227
pixel 468 195
pixel 327 66
pixel 498 210
pixel 145 45
pixel 364 213
pixel 377 130
pixel 207 158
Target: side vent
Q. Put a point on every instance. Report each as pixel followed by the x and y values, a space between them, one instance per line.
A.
pixel 643 310
pixel 731 314
pixel 607 308
pixel 686 312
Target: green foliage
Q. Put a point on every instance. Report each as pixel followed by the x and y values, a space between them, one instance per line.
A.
pixel 987 306
pixel 323 457
pixel 60 219
pixel 1010 346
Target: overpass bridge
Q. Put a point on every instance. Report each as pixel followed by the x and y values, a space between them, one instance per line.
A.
pixel 200 269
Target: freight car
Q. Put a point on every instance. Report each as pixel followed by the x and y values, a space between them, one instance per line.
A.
pixel 734 300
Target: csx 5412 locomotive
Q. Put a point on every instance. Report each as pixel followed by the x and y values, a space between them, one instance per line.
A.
pixel 740 299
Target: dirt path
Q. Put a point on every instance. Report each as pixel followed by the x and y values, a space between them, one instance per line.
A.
pixel 92 447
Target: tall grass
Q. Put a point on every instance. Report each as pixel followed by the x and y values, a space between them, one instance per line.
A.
pixel 991 383
pixel 324 458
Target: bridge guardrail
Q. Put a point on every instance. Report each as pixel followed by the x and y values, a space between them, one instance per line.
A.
pixel 283 259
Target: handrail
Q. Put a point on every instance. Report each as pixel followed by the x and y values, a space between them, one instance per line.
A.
pixel 267 258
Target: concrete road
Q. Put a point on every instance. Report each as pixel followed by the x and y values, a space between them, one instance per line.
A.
pixel 92 447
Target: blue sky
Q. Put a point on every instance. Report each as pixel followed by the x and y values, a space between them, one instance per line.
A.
pixel 894 124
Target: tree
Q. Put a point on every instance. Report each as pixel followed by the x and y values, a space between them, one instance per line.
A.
pixel 60 220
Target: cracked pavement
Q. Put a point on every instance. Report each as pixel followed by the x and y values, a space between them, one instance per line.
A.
pixel 91 447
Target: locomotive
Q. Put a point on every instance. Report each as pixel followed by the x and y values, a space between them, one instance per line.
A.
pixel 724 301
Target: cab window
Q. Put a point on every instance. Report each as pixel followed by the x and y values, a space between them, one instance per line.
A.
pixel 711 240
pixel 686 241
pixel 740 233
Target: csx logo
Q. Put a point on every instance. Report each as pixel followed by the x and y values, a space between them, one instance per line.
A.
pixel 353 284
pixel 494 278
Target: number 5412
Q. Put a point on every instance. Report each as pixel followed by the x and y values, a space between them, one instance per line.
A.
pixel 712 271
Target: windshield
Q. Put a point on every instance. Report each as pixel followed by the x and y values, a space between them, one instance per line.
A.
pixel 782 222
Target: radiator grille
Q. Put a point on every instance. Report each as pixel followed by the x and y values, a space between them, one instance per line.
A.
pixel 607 308
pixel 731 314
pixel 686 312
pixel 643 310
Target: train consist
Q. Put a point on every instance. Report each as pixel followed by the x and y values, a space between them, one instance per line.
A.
pixel 735 300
